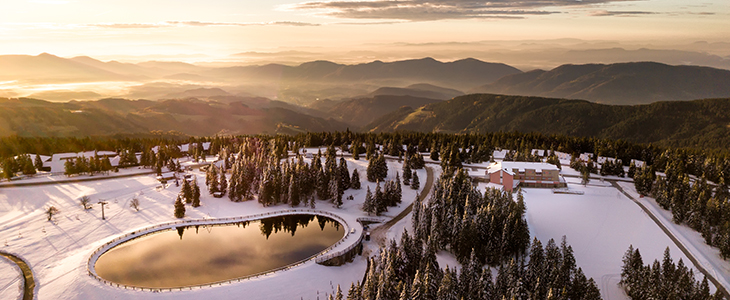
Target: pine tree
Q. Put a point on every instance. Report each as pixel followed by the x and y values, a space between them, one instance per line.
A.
pixel 355 180
pixel 369 204
pixel 344 174
pixel 211 179
pixel 407 172
pixel 223 183
pixel 196 194
pixel 187 191
pixel 38 162
pixel 380 201
pixel 416 184
pixel 338 294
pixel 179 208
pixel 434 152
pixel 355 149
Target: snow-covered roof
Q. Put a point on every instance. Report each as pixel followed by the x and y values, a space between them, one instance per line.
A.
pixel 638 163
pixel 521 166
pixel 500 154
pixel 186 147
pixel 585 156
pixel 538 152
pixel 58 160
pixel 562 155
pixel 115 161
pixel 603 159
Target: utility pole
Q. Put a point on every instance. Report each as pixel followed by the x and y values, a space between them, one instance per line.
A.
pixel 102 209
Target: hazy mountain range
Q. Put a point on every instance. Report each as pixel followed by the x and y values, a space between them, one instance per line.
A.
pixel 422 95
pixel 624 83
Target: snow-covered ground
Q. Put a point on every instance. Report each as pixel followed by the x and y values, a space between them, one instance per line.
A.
pixel 708 256
pixel 46 177
pixel 599 225
pixel 58 251
pixel 11 280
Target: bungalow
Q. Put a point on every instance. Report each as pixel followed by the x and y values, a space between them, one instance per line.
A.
pixel 511 174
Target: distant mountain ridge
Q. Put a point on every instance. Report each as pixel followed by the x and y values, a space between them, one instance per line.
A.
pixel 679 123
pixel 621 83
pixel 464 74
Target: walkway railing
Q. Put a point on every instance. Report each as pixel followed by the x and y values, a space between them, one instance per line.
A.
pixel 90 267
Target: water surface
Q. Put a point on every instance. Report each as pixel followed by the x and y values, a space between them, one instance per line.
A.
pixel 195 255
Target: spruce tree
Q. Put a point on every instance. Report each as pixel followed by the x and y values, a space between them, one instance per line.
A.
pixel 355 149
pixel 344 174
pixel 355 180
pixel 179 208
pixel 406 172
pixel 196 194
pixel 187 191
pixel 223 183
pixel 38 162
pixel 416 184
pixel 369 205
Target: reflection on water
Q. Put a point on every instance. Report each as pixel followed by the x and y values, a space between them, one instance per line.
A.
pixel 195 255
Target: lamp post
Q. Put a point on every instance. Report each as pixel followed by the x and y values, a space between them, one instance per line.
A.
pixel 102 203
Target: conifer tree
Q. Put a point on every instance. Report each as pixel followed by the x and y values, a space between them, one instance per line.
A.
pixel 344 174
pixel 355 180
pixel 196 194
pixel 187 191
pixel 416 184
pixel 179 208
pixel 369 204
pixel 223 183
pixel 38 162
pixel 406 172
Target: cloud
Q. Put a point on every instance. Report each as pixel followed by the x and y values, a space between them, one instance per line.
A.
pixel 193 24
pixel 608 13
pixel 425 10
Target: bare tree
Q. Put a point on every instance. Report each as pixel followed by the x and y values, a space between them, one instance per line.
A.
pixel 134 203
pixel 51 211
pixel 85 202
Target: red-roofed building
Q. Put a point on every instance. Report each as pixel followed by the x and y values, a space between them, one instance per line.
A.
pixel 511 174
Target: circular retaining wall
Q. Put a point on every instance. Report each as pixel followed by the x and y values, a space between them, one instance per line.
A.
pixel 90 266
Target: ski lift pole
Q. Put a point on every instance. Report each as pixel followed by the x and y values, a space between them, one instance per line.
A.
pixel 102 203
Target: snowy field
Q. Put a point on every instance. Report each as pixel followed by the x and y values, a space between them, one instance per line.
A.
pixel 708 256
pixel 58 251
pixel 599 225
pixel 11 280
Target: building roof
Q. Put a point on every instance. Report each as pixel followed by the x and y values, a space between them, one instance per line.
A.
pixel 521 166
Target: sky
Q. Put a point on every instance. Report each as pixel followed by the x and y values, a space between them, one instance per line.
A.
pixel 212 29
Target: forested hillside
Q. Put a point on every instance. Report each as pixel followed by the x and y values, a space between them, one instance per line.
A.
pixel 30 117
pixel 677 123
